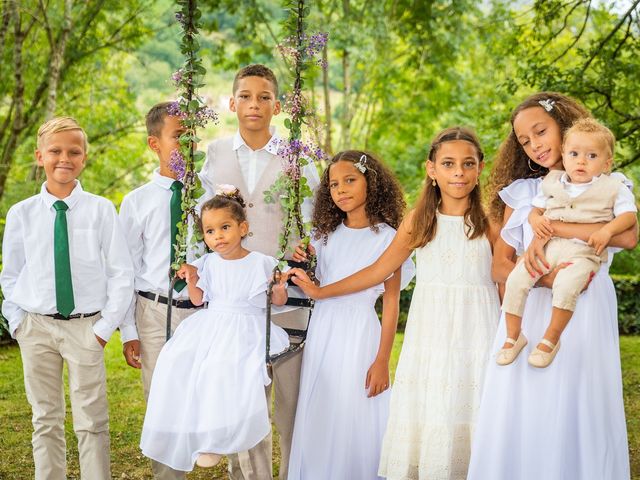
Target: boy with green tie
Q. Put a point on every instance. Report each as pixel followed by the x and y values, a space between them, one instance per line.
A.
pixel 67 282
pixel 149 217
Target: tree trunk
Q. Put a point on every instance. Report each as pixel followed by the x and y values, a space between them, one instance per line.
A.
pixel 17 125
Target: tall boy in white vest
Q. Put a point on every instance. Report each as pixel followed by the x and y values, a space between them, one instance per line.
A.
pixel 249 161
pixel 67 280
pixel 149 215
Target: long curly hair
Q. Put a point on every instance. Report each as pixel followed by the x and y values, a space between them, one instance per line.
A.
pixel 385 200
pixel 424 222
pixel 511 162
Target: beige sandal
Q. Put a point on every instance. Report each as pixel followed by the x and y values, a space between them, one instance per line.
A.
pixel 508 355
pixel 208 460
pixel 540 358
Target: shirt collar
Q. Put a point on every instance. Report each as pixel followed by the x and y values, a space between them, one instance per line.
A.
pixel 161 180
pixel 71 200
pixel 271 146
pixel 564 179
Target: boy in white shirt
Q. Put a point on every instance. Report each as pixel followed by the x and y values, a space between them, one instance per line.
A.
pixel 67 282
pixel 147 219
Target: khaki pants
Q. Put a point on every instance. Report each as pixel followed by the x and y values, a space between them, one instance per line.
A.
pixel 45 344
pixel 151 322
pixel 568 283
pixel 256 464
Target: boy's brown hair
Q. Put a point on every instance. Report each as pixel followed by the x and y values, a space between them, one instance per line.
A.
pixel 256 70
pixel 155 118
pixel 591 125
pixel 60 124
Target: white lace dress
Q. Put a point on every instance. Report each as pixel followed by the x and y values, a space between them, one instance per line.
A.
pixel 566 421
pixel 338 429
pixel 447 343
pixel 207 392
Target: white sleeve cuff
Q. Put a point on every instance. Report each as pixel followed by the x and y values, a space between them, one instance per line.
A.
pixel 128 333
pixel 103 329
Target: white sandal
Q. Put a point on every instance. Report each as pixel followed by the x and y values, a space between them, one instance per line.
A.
pixel 508 355
pixel 540 358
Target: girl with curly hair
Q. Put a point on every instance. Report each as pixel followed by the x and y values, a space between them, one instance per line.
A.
pixel 568 421
pixel 452 318
pixel 343 401
pixel 207 395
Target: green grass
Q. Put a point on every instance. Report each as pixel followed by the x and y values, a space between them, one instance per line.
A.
pixel 127 411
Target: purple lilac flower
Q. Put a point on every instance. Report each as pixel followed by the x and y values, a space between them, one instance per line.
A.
pixel 177 77
pixel 177 164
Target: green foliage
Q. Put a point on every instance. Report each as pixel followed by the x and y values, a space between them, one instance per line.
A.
pixel 194 113
pixel 628 293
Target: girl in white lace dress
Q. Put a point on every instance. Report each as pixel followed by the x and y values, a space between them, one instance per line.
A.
pixel 207 394
pixel 452 319
pixel 343 403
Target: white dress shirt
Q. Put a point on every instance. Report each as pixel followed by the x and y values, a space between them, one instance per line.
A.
pixel 101 270
pixel 252 164
pixel 145 216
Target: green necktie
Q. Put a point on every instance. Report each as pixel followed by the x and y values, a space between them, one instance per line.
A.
pixel 64 286
pixel 176 218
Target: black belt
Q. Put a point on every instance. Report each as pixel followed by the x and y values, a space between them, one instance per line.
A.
pixel 59 316
pixel 156 297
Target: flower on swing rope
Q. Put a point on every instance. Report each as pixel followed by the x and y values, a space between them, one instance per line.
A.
pixel 177 164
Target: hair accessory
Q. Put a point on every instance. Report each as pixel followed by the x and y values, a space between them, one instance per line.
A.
pixel 547 104
pixel 361 164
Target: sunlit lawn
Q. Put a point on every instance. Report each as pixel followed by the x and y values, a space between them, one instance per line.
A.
pixel 127 410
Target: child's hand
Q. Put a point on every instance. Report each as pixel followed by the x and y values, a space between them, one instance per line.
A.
pixel 280 281
pixel 302 280
pixel 541 226
pixel 131 352
pixel 599 240
pixel 100 341
pixel 534 258
pixel 301 254
pixel 189 273
pixel 377 378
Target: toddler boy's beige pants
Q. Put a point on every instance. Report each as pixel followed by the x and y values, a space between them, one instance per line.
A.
pixel 569 281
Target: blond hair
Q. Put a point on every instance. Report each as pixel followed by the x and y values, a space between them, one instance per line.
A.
pixel 591 125
pixel 57 125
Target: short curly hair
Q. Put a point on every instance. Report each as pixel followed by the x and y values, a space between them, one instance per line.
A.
pixel 385 199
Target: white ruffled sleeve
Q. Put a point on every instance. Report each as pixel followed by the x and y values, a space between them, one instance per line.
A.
pixel 203 264
pixel 518 196
pixel 263 268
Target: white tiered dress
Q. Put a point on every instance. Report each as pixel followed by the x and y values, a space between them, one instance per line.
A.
pixel 447 343
pixel 338 429
pixel 207 392
pixel 566 421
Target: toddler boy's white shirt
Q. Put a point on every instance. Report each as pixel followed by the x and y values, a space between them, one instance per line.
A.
pixel 101 269
pixel 146 221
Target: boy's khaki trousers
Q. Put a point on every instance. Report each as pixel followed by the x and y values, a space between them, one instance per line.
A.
pixel 45 344
pixel 151 322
